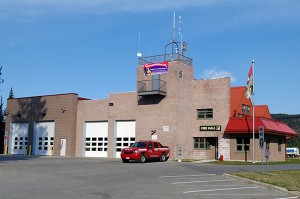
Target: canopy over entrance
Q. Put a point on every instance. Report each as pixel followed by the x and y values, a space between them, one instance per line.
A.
pixel 244 125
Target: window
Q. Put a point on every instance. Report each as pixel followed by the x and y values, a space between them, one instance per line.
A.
pixel 279 145
pixel 242 144
pixel 204 113
pixel 150 146
pixel 201 143
pixel 245 109
pixel 180 74
pixel 155 145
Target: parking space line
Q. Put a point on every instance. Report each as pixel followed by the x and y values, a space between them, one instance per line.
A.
pixel 190 182
pixel 208 190
pixel 187 176
pixel 287 197
pixel 239 194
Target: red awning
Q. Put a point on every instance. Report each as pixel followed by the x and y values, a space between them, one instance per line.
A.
pixel 244 125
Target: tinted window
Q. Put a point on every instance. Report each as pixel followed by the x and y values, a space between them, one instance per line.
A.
pixel 139 145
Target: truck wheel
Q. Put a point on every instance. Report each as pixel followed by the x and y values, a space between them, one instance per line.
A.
pixel 142 158
pixel 163 157
pixel 125 161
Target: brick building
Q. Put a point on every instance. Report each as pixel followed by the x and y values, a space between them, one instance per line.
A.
pixel 196 118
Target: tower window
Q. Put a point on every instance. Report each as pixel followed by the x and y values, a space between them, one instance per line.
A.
pixel 205 113
pixel 180 74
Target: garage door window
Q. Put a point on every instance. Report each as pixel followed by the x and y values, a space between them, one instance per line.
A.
pixel 20 143
pixel 45 143
pixel 96 143
pixel 124 142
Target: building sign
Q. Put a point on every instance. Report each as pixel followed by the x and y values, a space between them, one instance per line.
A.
pixel 210 128
pixel 166 128
pixel 155 69
pixel 154 137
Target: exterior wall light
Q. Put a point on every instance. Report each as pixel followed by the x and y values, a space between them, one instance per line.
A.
pixel 63 110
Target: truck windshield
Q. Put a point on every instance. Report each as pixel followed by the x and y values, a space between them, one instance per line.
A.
pixel 139 145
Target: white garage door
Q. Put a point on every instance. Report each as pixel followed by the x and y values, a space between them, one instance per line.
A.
pixel 44 138
pixel 96 139
pixel 19 138
pixel 125 135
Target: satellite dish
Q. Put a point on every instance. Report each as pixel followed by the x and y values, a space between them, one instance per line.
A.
pixel 139 54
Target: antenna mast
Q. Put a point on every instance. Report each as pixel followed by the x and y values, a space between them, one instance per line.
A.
pixel 173 32
pixel 177 47
pixel 139 54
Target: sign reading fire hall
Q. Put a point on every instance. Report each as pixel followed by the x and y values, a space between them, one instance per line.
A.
pixel 210 128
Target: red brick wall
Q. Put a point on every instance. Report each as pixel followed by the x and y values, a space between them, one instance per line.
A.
pixel 274 154
pixel 31 109
pixel 119 106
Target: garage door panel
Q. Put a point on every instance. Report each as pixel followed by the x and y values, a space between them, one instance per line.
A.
pixel 125 135
pixel 96 139
pixel 19 138
pixel 44 138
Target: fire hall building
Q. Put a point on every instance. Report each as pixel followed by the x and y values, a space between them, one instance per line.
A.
pixel 197 119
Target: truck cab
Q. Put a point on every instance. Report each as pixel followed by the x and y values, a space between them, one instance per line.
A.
pixel 292 152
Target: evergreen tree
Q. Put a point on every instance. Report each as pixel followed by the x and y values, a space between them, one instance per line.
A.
pixel 2 112
pixel 11 94
pixel 1 80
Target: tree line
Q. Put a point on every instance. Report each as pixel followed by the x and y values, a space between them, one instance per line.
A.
pixel 10 96
pixel 293 121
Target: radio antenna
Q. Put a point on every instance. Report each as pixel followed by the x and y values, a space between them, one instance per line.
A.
pixel 139 54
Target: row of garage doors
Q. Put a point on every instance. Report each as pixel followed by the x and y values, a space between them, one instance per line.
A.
pixel 95 138
pixel 43 141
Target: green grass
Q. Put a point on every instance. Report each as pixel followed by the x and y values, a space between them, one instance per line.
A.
pixel 288 161
pixel 287 179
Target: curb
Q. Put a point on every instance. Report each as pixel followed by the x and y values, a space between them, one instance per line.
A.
pixel 269 186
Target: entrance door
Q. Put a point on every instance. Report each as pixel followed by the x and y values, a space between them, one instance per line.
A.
pixel 217 150
pixel 63 147
pixel 155 82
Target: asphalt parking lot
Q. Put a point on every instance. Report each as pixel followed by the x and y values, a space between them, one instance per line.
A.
pixel 104 178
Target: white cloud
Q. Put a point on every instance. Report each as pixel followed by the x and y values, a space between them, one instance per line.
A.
pixel 18 9
pixel 214 74
pixel 98 6
pixel 242 12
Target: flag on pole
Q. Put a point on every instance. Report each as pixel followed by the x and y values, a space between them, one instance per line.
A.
pixel 250 87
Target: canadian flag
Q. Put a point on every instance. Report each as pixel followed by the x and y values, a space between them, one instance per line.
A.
pixel 250 89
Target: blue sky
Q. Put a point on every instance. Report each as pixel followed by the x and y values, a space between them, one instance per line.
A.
pixel 89 47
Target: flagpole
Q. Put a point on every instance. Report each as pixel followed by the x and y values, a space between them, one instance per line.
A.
pixel 253 114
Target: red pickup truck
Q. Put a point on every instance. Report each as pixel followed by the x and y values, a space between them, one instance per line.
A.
pixel 145 150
